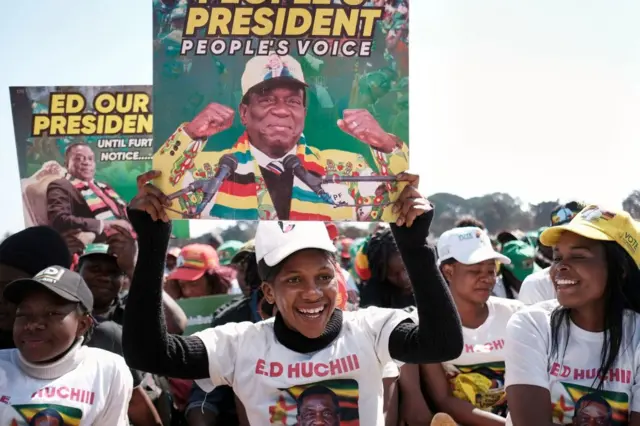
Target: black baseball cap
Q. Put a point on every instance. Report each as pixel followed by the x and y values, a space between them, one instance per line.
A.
pixel 61 281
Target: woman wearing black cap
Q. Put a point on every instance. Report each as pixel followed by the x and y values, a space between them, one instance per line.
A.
pixel 309 342
pixel 51 372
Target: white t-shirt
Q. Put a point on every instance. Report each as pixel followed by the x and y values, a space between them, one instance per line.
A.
pixel 477 375
pixel 87 387
pixel 529 362
pixel 537 287
pixel 344 379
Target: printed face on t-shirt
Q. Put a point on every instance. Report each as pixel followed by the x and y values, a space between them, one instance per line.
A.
pixel 319 409
pixel 305 291
pixel 473 283
pixel 47 325
pixel 579 271
pixel 592 413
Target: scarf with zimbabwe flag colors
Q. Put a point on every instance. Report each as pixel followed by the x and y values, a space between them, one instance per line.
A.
pixel 247 196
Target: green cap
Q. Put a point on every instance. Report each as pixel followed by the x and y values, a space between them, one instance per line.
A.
pixel 228 250
pixel 522 257
pixel 96 249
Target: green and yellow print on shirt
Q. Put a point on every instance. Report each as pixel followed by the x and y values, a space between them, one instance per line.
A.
pixel 45 415
pixel 584 406
pixel 480 384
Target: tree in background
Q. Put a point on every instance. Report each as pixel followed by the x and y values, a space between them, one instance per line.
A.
pixel 632 204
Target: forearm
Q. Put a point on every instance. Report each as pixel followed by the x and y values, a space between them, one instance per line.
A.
pixel 146 344
pixel 463 412
pixel 141 410
pixel 175 318
pixel 438 335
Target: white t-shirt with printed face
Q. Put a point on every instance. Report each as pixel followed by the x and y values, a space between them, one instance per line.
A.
pixel 96 392
pixel 342 382
pixel 477 375
pixel 571 379
pixel 537 287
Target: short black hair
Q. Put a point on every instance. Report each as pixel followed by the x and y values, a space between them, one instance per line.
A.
pixel 70 147
pixel 592 398
pixel 467 221
pixel 318 390
pixel 35 249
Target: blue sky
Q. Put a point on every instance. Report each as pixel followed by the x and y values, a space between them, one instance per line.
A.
pixel 538 98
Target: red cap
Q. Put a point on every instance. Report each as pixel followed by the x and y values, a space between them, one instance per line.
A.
pixel 194 261
pixel 332 229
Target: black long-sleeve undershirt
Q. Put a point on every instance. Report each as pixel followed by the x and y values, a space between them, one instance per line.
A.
pixel 148 347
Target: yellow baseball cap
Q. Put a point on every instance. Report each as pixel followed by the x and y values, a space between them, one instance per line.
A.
pixel 596 223
pixel 261 69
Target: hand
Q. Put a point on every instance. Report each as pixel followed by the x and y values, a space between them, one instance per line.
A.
pixel 149 198
pixel 73 243
pixel 117 223
pixel 123 247
pixel 410 204
pixel 360 124
pixel 214 118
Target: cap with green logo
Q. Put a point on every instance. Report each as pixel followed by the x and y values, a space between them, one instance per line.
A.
pixel 228 250
pixel 98 248
pixel 522 257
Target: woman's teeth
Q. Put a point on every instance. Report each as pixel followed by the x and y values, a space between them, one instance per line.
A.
pixel 312 313
pixel 566 282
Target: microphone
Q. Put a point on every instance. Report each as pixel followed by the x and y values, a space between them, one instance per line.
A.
pixel 340 179
pixel 293 163
pixel 226 166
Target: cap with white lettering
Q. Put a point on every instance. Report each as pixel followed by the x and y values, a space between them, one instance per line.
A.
pixel 468 245
pixel 61 281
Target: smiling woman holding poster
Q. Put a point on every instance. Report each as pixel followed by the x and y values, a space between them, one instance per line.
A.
pixel 310 350
pixel 302 115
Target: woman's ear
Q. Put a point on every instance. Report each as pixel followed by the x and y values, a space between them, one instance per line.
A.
pixel 447 272
pixel 267 290
pixel 85 321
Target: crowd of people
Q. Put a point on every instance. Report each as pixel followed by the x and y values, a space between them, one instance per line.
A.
pixel 513 328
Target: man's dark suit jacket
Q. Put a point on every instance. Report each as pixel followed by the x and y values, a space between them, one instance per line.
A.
pixel 67 210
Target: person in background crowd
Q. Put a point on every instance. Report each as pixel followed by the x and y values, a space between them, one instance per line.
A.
pixel 172 259
pixel 389 286
pixel 101 271
pixel 471 387
pixel 22 255
pixel 522 264
pixel 242 262
pixel 226 252
pixel 220 405
pixel 199 273
pixel 469 221
pixel 104 268
pixel 587 341
pixel 52 370
pixel 538 286
pixel 296 265
pixel 344 246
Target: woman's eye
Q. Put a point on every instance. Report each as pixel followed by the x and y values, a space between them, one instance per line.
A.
pixel 293 280
pixel 326 277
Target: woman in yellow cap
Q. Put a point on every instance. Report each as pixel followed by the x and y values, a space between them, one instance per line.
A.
pixel 576 360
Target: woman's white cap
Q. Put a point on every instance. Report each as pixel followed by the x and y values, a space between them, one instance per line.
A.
pixel 468 245
pixel 276 240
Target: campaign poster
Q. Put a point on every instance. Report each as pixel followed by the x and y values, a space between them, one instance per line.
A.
pixel 80 150
pixel 200 310
pixel 281 110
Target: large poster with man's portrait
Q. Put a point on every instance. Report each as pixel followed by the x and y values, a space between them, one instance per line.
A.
pixel 80 149
pixel 281 110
